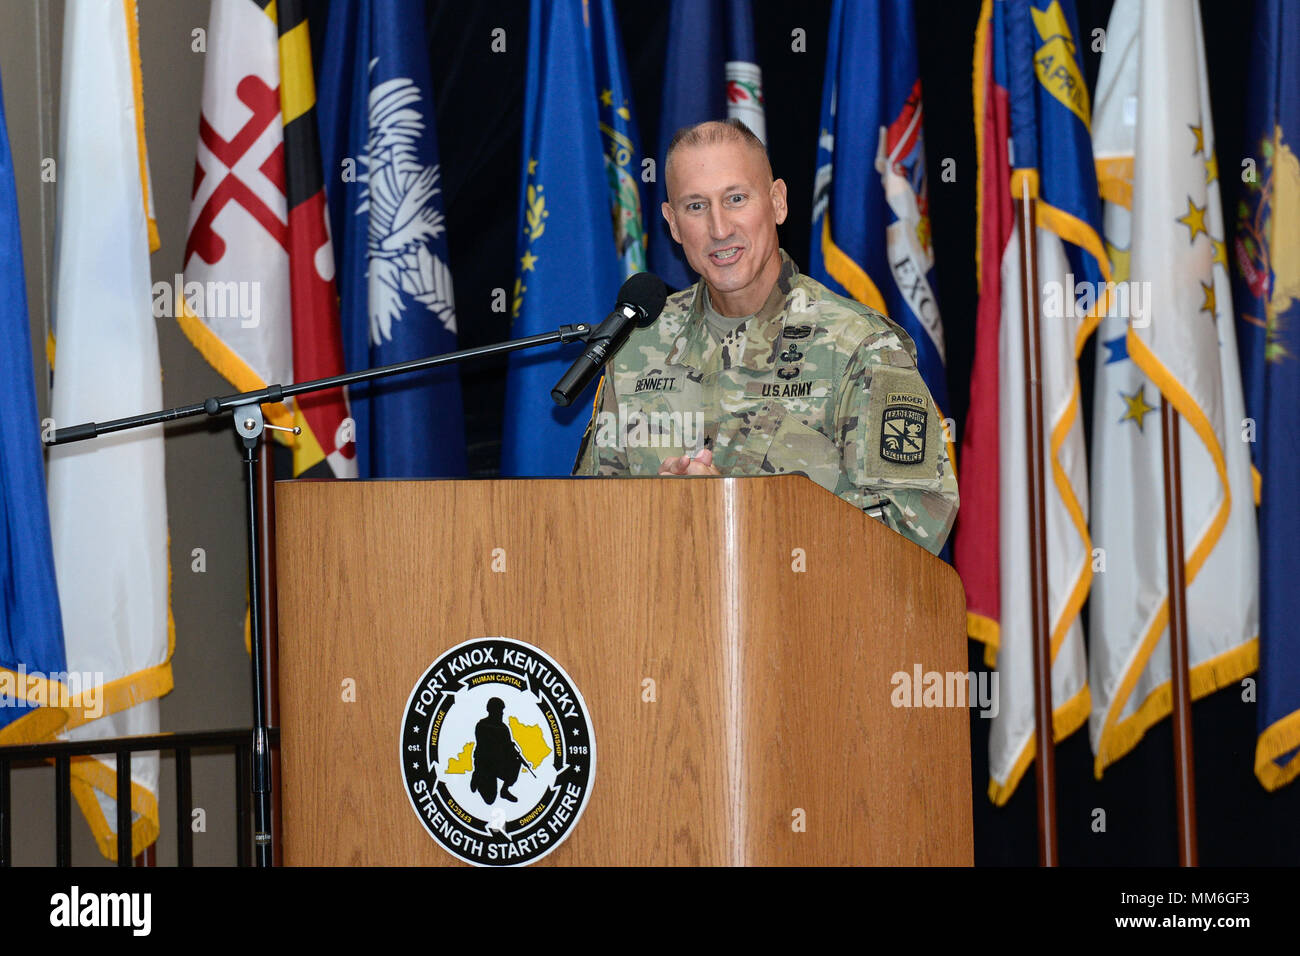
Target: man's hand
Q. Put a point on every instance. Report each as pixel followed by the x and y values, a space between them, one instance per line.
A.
pixel 701 464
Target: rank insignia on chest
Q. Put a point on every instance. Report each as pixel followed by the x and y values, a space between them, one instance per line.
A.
pixel 902 434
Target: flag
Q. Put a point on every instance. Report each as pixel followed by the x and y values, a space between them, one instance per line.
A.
pixel 1032 115
pixel 107 497
pixel 581 229
pixel 1156 144
pixel 1266 289
pixel 385 196
pixel 33 666
pixel 317 339
pixel 711 72
pixel 256 298
pixel 871 120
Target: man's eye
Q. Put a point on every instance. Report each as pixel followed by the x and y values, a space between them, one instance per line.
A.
pixel 695 206
pixel 737 198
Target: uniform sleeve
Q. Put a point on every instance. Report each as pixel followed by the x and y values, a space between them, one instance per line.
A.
pixel 601 452
pixel 892 443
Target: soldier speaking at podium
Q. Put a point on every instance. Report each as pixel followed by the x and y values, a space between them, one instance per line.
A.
pixel 760 370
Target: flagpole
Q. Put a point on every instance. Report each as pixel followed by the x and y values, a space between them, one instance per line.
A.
pixel 1044 749
pixel 1180 683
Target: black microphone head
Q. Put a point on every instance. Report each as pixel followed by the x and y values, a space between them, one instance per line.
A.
pixel 645 292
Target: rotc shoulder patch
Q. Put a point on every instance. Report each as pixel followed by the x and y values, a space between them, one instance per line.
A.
pixel 902 430
pixel 900 424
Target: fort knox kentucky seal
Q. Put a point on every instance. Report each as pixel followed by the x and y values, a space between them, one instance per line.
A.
pixel 497 752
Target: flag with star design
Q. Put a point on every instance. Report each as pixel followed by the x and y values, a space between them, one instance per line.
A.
pixel 580 229
pixel 1154 151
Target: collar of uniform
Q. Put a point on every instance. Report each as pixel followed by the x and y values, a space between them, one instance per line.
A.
pixel 694 346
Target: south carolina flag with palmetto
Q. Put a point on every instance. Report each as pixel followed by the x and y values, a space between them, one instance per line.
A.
pixel 395 288
pixel 1156 163
pixel 108 500
pixel 1031 99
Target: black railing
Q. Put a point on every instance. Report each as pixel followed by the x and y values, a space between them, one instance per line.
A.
pixel 182 746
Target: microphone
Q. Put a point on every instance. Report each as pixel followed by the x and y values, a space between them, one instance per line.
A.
pixel 639 303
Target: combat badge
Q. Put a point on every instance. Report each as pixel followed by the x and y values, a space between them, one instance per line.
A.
pixel 497 752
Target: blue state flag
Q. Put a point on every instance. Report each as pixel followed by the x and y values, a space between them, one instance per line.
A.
pixel 711 72
pixel 871 219
pixel 1051 142
pixel 581 229
pixel 32 657
pixel 1266 290
pixel 384 187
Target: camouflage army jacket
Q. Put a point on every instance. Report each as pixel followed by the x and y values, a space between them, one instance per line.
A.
pixel 814 384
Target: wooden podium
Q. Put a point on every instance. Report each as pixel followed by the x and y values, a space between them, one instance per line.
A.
pixel 735 641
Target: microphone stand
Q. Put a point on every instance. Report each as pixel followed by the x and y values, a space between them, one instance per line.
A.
pixel 249 425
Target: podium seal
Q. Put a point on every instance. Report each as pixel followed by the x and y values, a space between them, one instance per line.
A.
pixel 497 752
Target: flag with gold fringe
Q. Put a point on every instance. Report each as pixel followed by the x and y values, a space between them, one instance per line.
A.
pixel 34 684
pixel 1266 290
pixel 1032 125
pixel 871 237
pixel 108 499
pixel 1164 225
pixel 257 296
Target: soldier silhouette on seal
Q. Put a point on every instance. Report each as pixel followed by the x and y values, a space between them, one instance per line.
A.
pixel 495 755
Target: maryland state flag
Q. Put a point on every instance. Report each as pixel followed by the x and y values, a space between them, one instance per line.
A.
pixel 1032 115
pixel 580 226
pixel 711 72
pixel 1266 267
pixel 871 221
pixel 258 299
pixel 108 497
pixel 33 688
pixel 1164 230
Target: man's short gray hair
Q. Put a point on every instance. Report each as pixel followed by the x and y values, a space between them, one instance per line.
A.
pixel 712 132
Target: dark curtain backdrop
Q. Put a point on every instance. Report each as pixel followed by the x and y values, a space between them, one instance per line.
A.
pixel 479 97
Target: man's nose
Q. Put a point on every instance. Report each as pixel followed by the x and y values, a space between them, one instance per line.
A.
pixel 719 227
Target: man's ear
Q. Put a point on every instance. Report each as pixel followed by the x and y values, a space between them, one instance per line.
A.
pixel 671 218
pixel 779 207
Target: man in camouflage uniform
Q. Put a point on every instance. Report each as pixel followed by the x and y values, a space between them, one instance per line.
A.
pixel 758 369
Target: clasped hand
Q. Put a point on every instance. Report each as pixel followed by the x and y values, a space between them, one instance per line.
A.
pixel 701 464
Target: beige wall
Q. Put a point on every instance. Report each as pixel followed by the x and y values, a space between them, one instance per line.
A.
pixel 204 473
